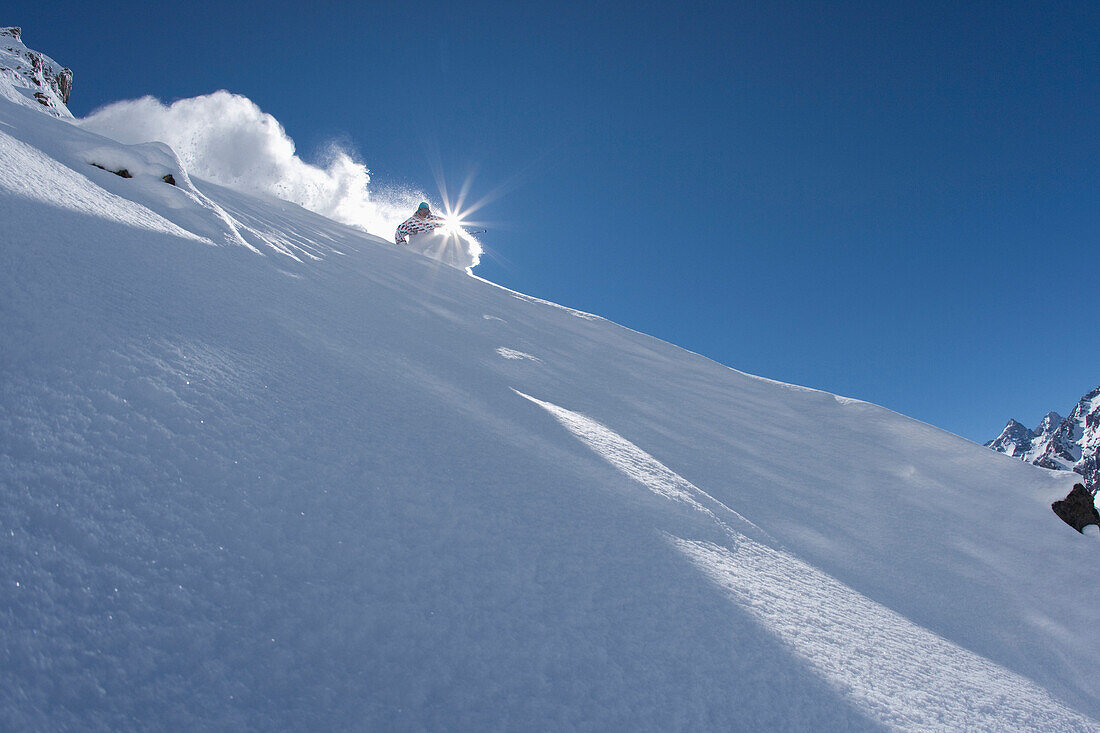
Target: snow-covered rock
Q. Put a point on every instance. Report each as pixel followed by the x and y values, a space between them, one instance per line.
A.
pixel 32 78
pixel 306 480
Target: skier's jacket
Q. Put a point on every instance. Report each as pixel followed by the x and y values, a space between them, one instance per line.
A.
pixel 415 225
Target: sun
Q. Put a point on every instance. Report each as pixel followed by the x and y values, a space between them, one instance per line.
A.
pixel 456 211
pixel 453 225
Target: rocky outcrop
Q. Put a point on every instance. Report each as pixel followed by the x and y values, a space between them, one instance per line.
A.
pixel 1077 510
pixel 29 75
pixel 121 172
pixel 65 84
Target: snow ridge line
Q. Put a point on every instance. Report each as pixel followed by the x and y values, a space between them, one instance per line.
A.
pixel 903 675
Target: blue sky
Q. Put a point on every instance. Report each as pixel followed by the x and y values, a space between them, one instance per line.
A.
pixel 893 201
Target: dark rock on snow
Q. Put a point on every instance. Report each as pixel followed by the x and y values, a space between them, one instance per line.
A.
pixel 1077 509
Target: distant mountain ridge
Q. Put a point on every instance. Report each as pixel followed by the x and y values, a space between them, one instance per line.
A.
pixel 1063 444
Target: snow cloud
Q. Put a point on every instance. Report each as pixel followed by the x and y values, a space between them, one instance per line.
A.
pixel 227 139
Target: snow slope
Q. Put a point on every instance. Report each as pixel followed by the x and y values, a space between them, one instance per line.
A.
pixel 261 471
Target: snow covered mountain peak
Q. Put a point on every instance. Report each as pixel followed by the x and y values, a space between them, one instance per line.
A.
pixel 31 78
pixel 1014 440
pixel 1043 436
pixel 1049 423
pixel 1062 444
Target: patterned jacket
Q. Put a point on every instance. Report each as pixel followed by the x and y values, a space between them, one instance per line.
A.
pixel 415 225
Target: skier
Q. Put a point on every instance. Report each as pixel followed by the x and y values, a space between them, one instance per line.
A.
pixel 422 221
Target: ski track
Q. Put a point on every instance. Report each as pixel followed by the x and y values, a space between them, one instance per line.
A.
pixel 861 648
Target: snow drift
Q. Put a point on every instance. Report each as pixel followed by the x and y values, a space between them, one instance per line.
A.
pixel 304 479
